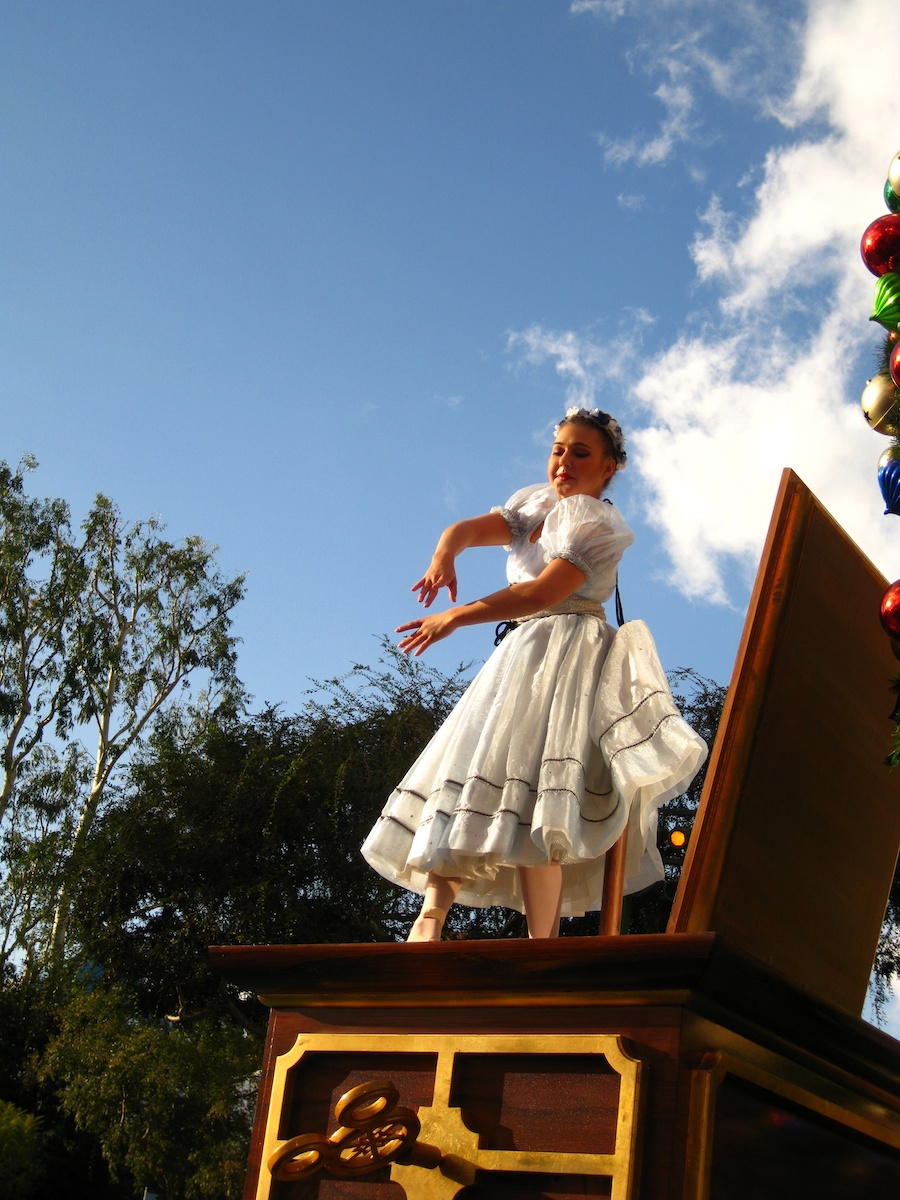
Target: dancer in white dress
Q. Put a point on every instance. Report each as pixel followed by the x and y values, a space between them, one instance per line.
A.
pixel 566 736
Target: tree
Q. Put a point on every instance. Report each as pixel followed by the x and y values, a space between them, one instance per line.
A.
pixel 247 830
pixel 170 1106
pixel 226 828
pixel 151 613
pixel 97 631
pixel 41 577
pixel 20 1138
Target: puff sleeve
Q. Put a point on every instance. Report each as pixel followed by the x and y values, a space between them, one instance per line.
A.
pixel 525 509
pixel 590 534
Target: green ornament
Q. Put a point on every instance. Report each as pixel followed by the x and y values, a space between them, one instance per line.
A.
pixel 891 199
pixel 886 305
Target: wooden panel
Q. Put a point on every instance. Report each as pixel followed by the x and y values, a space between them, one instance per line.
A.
pixel 572 984
pixel 764 1146
pixel 796 839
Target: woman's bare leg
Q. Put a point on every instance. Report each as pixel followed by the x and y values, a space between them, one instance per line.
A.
pixel 542 893
pixel 439 895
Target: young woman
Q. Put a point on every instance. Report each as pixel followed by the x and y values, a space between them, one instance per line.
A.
pixel 566 736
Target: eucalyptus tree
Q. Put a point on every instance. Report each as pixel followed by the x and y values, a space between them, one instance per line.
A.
pixel 151 613
pixel 100 626
pixel 42 577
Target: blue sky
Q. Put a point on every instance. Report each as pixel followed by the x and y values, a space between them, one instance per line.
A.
pixel 286 273
pixel 315 278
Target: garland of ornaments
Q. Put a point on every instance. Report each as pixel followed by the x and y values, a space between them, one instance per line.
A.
pixel 880 250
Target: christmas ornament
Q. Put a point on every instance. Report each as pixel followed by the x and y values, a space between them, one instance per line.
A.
pixel 886 305
pixel 894 363
pixel 890 610
pixel 891 199
pixel 880 245
pixel 889 481
pixel 893 177
pixel 879 401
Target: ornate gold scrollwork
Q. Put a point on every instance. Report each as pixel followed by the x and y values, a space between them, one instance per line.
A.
pixel 374 1130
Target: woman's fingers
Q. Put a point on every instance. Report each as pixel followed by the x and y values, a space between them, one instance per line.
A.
pixel 418 640
pixel 427 590
pixel 430 585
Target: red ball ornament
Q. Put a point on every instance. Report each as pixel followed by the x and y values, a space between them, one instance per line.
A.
pixel 880 245
pixel 895 364
pixel 890 610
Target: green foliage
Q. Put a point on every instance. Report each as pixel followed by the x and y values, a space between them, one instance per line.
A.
pixel 98 628
pixel 247 831
pixel 893 759
pixel 20 1152
pixel 170 1107
pixel 41 577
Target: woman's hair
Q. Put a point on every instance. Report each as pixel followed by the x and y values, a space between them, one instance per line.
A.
pixel 595 418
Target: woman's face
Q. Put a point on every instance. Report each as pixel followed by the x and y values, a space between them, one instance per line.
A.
pixel 581 462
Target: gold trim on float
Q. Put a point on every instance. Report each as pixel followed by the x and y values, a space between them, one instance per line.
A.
pixel 442 1126
pixel 821 1097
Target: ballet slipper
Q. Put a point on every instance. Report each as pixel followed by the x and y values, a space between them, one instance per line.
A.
pixel 428 925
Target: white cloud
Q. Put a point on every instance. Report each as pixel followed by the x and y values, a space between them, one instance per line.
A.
pixel 676 126
pixel 585 363
pixel 775 381
pixel 699 49
pixel 605 8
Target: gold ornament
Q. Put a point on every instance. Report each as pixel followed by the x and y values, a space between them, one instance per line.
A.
pixel 894 174
pixel 879 405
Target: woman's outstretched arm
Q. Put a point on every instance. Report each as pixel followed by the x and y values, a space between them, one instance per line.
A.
pixel 488 530
pixel 558 580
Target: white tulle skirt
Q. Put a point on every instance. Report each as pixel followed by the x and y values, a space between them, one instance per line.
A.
pixel 566 735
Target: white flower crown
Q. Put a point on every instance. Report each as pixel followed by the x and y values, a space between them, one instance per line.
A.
pixel 609 425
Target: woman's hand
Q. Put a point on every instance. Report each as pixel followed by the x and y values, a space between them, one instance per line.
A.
pixel 558 580
pixel 426 631
pixel 441 573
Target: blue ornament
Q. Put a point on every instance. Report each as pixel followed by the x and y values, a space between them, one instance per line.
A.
pixel 889 481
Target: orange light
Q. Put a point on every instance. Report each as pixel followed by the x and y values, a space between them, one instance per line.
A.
pixel 676 837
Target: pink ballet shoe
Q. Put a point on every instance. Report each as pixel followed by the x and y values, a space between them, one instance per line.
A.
pixel 428 925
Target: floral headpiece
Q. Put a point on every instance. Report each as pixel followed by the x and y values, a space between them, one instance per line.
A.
pixel 609 425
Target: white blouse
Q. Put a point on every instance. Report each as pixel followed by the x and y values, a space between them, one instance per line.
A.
pixel 587 532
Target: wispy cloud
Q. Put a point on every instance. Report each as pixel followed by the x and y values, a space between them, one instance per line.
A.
pixel 699 49
pixel 775 379
pixel 606 8
pixel 586 362
pixel 676 126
